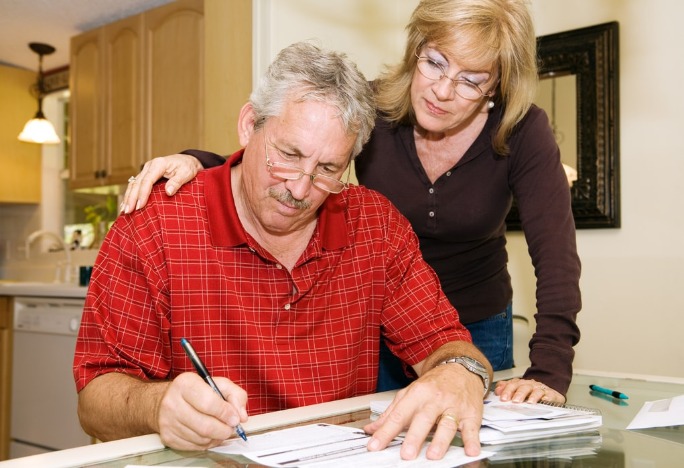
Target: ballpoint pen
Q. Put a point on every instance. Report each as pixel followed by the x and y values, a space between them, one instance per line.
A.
pixel 204 373
pixel 608 391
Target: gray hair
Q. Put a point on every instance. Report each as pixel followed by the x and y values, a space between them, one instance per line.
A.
pixel 306 72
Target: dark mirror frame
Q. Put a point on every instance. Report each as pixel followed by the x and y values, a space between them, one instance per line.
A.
pixel 591 54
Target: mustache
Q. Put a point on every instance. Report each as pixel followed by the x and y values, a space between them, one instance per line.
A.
pixel 287 198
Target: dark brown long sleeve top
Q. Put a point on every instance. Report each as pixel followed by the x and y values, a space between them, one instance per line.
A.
pixel 460 221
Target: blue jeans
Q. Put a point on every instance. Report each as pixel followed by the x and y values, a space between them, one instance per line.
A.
pixel 493 336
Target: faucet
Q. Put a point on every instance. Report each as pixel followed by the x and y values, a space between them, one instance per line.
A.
pixel 67 271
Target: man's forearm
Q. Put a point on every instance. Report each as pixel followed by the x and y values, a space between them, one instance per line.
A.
pixel 115 406
pixel 450 350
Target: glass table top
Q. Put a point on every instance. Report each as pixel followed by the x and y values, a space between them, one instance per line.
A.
pixel 610 446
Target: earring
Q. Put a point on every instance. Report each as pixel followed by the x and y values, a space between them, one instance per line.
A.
pixel 490 104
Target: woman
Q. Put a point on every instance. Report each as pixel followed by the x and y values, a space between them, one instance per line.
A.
pixel 456 140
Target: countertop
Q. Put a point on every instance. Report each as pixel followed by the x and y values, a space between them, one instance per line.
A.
pixel 40 289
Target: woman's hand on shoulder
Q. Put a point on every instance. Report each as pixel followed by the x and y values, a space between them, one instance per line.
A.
pixel 177 168
pixel 531 391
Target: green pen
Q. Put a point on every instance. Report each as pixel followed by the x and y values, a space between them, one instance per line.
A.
pixel 607 391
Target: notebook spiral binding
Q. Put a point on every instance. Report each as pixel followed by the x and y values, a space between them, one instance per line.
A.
pixel 581 409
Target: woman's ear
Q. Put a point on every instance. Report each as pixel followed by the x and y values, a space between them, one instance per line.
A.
pixel 246 124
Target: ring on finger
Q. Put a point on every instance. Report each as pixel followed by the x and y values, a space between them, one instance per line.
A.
pixel 450 417
pixel 131 179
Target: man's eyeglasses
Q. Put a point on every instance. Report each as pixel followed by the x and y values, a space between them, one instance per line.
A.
pixel 292 172
pixel 435 71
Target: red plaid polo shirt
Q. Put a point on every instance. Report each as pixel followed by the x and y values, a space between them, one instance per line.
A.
pixel 184 267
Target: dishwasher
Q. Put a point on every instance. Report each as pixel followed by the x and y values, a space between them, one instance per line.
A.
pixel 44 397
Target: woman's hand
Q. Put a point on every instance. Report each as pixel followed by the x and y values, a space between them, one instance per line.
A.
pixel 177 168
pixel 519 390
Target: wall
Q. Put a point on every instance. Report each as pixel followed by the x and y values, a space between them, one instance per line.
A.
pixel 16 159
pixel 631 319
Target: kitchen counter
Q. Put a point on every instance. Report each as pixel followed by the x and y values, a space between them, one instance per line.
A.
pixel 40 289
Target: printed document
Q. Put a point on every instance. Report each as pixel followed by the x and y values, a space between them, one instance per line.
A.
pixel 327 445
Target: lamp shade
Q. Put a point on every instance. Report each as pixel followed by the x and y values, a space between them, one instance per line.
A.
pixel 39 130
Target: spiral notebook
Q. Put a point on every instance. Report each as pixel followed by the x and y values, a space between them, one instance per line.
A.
pixel 504 422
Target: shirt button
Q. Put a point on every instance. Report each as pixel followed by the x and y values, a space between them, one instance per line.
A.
pixel 431 214
pixel 287 306
pixel 279 266
pixel 448 174
pixel 431 190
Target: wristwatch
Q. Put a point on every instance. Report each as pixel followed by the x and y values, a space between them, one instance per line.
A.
pixel 473 366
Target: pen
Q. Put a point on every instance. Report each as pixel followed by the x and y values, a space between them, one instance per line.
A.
pixel 608 391
pixel 204 373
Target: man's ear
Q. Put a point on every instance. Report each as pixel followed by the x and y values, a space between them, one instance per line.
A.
pixel 246 124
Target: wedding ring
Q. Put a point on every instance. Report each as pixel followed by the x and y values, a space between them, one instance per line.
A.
pixel 131 179
pixel 450 417
pixel 543 388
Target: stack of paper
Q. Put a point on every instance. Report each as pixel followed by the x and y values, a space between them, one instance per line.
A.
pixel 504 422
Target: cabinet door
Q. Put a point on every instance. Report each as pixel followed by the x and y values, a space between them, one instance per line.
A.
pixel 174 70
pixel 85 83
pixel 123 120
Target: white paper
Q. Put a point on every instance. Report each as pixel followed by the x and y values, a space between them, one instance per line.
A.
pixel 660 413
pixel 327 445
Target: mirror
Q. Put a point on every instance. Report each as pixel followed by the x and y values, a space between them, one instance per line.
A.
pixel 578 89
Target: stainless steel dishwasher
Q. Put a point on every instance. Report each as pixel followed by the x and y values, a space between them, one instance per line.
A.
pixel 44 395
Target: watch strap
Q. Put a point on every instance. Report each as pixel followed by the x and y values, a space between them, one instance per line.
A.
pixel 472 365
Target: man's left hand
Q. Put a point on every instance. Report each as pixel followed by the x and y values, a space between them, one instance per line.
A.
pixel 448 396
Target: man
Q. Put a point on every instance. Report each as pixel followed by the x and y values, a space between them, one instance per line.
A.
pixel 283 278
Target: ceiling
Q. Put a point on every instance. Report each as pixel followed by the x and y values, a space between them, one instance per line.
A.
pixel 54 22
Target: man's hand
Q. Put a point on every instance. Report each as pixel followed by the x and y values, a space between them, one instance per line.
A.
pixel 191 416
pixel 448 396
pixel 185 412
pixel 531 391
pixel 177 168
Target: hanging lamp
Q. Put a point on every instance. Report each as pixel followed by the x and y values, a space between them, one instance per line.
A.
pixel 39 129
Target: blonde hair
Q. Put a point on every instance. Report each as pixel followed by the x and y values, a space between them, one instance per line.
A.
pixel 475 32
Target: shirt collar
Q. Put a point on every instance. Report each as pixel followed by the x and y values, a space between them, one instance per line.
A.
pixel 224 224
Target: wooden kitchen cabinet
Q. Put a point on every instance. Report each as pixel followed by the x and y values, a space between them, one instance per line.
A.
pixel 5 374
pixel 106 104
pixel 174 78
pixel 20 177
pixel 136 92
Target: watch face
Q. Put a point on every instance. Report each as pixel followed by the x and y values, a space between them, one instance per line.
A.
pixel 477 365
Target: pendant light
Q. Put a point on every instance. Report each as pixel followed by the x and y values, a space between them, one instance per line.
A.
pixel 39 129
